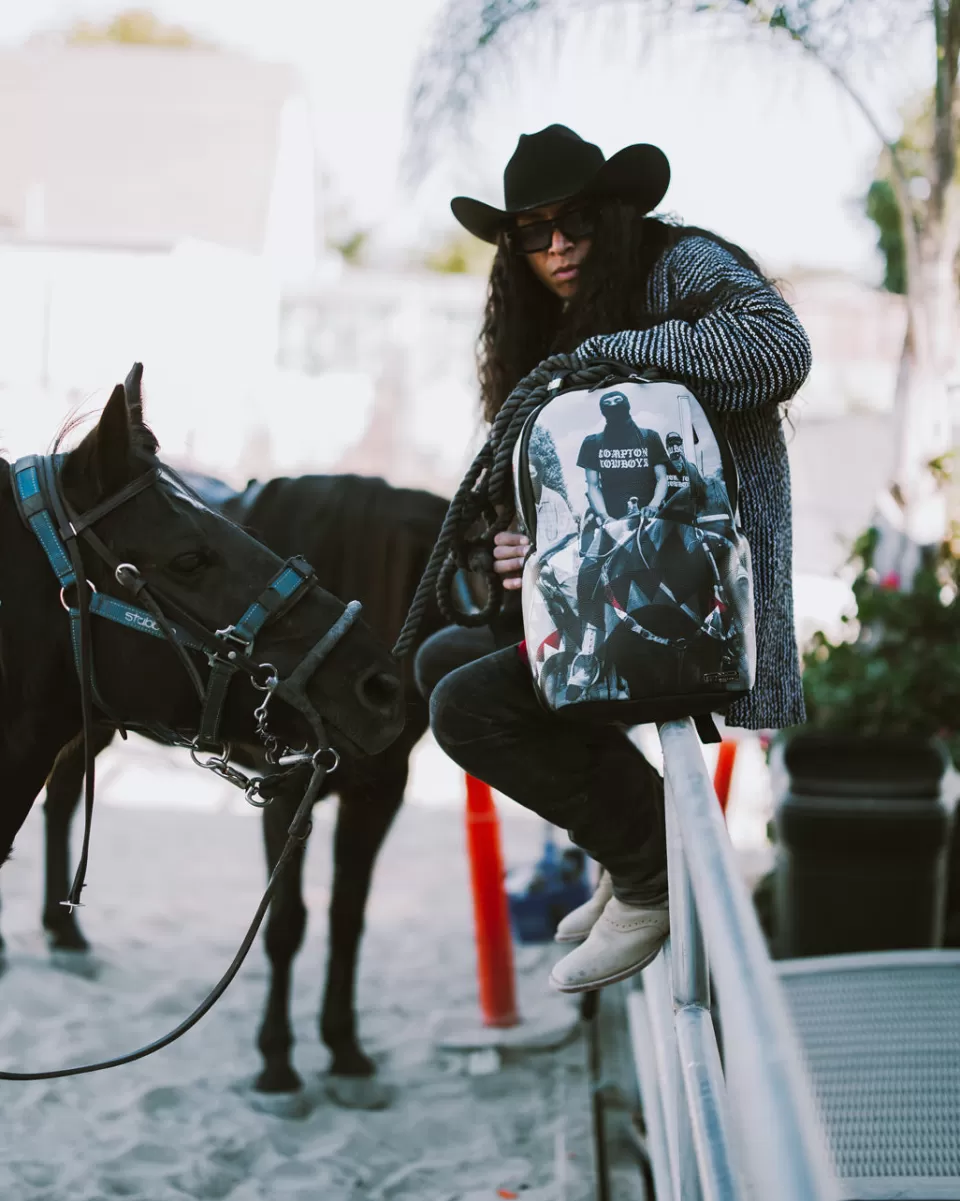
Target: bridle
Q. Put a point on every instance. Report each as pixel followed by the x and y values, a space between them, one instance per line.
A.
pixel 60 531
pixel 229 651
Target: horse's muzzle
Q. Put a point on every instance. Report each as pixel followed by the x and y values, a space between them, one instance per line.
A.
pixel 380 692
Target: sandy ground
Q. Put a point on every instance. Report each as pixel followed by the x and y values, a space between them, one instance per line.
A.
pixel 175 875
pixel 170 893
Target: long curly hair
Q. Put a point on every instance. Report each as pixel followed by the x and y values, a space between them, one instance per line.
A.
pixel 524 321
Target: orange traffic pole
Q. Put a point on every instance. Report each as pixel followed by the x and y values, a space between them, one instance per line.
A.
pixel 491 916
pixel 723 773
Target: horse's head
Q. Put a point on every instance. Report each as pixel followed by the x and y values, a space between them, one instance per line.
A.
pixel 204 572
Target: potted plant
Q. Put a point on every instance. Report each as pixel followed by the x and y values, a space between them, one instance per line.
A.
pixel 899 674
pixel 862 817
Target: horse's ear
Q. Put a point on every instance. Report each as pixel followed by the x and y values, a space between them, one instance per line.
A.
pixel 103 462
pixel 133 395
pixel 107 458
pixel 113 444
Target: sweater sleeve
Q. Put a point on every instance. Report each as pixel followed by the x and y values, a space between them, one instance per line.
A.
pixel 747 349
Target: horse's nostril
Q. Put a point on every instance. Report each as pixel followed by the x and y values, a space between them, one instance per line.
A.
pixel 379 690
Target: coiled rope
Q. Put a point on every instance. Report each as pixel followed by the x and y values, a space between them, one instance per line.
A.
pixel 484 504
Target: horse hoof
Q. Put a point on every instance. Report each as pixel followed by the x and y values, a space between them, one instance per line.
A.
pixel 75 943
pixel 278 1078
pixel 358 1092
pixel 75 963
pixel 292 1106
pixel 65 937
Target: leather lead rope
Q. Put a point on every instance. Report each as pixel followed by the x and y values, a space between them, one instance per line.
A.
pixel 297 834
pixel 36 493
pixel 84 650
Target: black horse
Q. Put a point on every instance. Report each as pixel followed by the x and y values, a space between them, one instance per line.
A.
pixel 366 540
pixel 196 561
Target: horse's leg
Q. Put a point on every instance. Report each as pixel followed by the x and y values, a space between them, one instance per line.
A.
pixel 286 923
pixel 15 803
pixel 23 778
pixel 63 797
pixel 367 808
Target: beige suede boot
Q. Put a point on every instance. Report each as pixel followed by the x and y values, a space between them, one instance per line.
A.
pixel 579 922
pixel 624 939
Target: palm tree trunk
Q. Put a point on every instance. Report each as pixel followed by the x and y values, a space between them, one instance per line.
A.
pixel 913 513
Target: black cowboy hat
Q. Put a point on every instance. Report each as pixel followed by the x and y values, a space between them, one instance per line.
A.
pixel 557 164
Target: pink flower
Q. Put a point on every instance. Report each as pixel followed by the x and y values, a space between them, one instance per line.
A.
pixel 891 581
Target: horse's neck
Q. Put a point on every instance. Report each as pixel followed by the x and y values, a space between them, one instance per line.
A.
pixel 38 689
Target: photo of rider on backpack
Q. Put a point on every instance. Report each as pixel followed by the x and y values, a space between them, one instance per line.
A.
pixel 628 600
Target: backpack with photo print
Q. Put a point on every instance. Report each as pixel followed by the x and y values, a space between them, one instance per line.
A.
pixel 637 594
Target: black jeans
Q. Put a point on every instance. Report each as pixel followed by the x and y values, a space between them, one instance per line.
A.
pixel 591 780
pixel 447 650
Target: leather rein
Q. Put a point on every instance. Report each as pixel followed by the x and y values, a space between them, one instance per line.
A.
pixel 60 531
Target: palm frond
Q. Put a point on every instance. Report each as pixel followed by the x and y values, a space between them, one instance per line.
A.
pixel 474 39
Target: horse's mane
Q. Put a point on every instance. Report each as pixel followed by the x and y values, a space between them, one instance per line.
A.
pixel 367 540
pixel 70 426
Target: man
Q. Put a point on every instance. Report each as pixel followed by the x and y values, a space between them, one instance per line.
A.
pixel 626 471
pixel 686 493
pixel 555 520
pixel 556 539
pixel 682 474
pixel 623 462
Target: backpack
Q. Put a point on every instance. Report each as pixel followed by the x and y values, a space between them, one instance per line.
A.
pixel 637 594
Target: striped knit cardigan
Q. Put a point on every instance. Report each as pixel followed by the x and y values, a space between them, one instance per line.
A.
pixel 745 356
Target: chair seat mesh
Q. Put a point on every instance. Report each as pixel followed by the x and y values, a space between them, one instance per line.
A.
pixel 881 1035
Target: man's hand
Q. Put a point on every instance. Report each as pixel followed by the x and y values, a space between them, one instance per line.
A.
pixel 510 552
pixel 648 512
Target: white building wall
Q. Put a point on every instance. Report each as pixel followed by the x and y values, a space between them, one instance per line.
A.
pixel 202 319
pixel 290 230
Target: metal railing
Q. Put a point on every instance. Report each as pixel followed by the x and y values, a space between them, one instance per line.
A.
pixel 749 1129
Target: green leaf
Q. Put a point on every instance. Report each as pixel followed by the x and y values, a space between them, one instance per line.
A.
pixel 901 674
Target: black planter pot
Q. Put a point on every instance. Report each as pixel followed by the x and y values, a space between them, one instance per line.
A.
pixel 862 830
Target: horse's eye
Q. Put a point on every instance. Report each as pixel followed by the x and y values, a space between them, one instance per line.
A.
pixel 191 561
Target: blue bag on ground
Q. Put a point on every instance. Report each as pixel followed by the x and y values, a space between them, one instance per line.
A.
pixel 541 896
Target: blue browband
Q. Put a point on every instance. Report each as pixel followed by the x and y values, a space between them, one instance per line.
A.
pixel 35 511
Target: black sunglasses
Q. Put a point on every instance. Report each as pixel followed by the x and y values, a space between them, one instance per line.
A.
pixel 574 224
